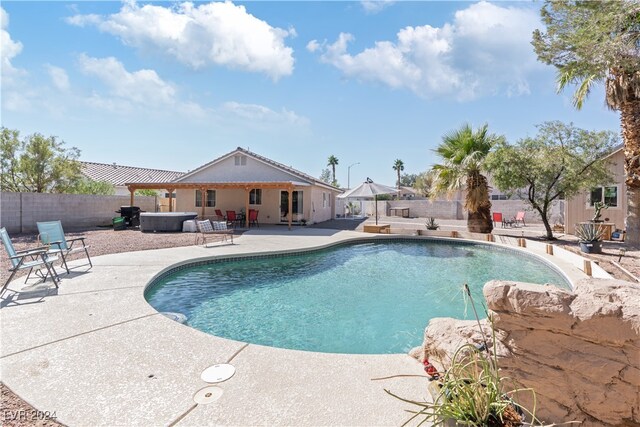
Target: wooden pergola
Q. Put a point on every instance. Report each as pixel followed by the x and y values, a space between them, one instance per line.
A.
pixel 204 186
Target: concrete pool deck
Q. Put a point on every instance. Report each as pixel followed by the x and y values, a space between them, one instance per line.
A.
pixel 95 352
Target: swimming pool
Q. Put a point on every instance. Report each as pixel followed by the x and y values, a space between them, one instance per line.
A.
pixel 370 297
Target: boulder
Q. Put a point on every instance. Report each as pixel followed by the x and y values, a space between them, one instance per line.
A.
pixel 579 351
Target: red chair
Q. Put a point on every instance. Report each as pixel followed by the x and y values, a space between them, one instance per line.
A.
pixel 219 215
pixel 253 217
pixel 232 219
pixel 519 218
pixel 497 217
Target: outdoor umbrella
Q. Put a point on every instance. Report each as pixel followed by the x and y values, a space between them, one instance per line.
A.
pixel 368 190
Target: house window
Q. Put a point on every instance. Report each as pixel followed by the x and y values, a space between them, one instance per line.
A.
pixel 173 195
pixel 255 196
pixel 324 200
pixel 240 160
pixel 211 198
pixel 607 195
pixel 499 197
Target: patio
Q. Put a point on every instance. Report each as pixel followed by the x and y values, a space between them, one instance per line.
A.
pixel 109 358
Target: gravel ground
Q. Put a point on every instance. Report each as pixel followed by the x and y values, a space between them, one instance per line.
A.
pixel 16 412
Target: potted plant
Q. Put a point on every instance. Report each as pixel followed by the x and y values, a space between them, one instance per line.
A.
pixel 431 224
pixel 590 237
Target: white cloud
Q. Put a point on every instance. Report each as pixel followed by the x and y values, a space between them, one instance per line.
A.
pixel 141 87
pixel 216 33
pixel 259 113
pixel 485 50
pixel 137 91
pixel 375 6
pixel 9 49
pixel 59 77
pixel 313 45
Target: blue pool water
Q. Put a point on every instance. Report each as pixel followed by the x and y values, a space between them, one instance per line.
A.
pixel 365 298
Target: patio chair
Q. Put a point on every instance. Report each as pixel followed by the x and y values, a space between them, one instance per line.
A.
pixel 497 217
pixel 232 218
pixel 220 216
pixel 253 217
pixel 51 233
pixel 519 219
pixel 37 258
pixel 217 230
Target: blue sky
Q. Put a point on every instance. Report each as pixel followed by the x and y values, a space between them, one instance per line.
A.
pixel 174 85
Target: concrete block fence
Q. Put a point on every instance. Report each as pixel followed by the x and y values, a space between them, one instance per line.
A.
pixel 454 209
pixel 19 212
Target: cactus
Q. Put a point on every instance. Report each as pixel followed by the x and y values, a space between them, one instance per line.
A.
pixel 598 206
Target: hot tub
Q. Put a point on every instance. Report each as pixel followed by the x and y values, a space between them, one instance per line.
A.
pixel 164 221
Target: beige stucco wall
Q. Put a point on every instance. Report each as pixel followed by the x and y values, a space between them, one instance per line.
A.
pixel 316 211
pixel 227 171
pixel 269 210
pixel 578 210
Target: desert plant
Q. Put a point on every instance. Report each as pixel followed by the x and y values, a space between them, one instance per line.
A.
pixel 598 206
pixel 589 232
pixel 471 392
pixel 431 224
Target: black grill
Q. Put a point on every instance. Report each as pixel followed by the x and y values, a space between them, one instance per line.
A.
pixel 131 215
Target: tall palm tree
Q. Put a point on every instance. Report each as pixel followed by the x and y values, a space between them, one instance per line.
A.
pixel 464 152
pixel 599 42
pixel 398 166
pixel 333 161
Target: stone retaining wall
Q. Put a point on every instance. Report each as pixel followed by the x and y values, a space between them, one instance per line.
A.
pixel 19 212
pixel 579 351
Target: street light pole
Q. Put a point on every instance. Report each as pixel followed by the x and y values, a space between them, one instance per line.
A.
pixel 349 175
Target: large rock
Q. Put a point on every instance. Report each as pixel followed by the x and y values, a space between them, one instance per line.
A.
pixel 579 351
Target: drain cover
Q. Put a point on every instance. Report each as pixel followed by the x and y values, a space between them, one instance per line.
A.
pixel 218 373
pixel 207 395
pixel 176 317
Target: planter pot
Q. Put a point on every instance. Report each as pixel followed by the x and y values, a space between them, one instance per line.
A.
pixel 591 247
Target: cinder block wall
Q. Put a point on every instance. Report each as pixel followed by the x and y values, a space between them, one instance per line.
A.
pixel 19 212
pixel 444 209
pixel 441 209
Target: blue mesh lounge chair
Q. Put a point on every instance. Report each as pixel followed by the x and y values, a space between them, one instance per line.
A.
pixel 51 233
pixel 36 258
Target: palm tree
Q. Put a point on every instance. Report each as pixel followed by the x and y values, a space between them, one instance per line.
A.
pixel 464 152
pixel 599 42
pixel 398 166
pixel 333 161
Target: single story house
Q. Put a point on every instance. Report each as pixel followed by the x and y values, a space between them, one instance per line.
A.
pixel 119 175
pixel 581 207
pixel 242 180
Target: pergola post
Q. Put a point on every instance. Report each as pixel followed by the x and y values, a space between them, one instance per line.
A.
pixel 203 193
pixel 132 191
pixel 290 198
pixel 170 190
pixel 247 192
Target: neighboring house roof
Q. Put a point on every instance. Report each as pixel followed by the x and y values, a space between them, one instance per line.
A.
pixel 408 190
pixel 119 175
pixel 301 176
pixel 616 149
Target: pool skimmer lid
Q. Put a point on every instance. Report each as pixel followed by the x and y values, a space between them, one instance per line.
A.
pixel 218 373
pixel 207 395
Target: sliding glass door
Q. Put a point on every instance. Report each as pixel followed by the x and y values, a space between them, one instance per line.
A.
pixel 296 202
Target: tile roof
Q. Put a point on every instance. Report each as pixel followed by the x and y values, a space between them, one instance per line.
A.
pixel 119 175
pixel 289 169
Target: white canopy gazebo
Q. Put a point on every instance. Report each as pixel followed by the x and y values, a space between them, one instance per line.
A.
pixel 368 190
